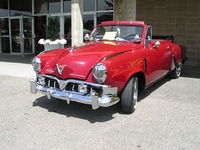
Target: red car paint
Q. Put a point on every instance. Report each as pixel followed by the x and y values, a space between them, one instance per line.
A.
pixel 122 59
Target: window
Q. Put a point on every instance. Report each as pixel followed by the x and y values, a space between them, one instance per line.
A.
pixel 104 16
pixel 5 44
pixel 3 8
pixel 149 33
pixel 4 36
pixel 4 28
pixel 40 23
pixel 41 7
pixel 104 5
pixel 21 7
pixel 67 5
pixel 89 5
pixel 54 6
pixel 47 6
pixel 68 29
pixel 88 22
pixel 52 29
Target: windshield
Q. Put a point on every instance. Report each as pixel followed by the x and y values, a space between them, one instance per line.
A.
pixel 117 33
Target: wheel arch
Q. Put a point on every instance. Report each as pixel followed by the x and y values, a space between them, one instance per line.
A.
pixel 179 53
pixel 141 80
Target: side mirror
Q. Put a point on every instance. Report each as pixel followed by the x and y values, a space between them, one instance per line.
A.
pixel 137 39
pixel 156 44
pixel 86 37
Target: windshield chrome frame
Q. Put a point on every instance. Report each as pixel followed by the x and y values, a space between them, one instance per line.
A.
pixel 142 34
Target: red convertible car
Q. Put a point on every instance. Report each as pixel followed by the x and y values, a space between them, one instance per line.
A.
pixel 118 60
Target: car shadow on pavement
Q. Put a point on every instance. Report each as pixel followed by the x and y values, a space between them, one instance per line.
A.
pixel 102 114
pixel 191 71
pixel 188 72
pixel 153 87
pixel 77 110
pixel 83 111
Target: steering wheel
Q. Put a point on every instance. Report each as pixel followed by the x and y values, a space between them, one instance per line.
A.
pixel 99 37
pixel 130 36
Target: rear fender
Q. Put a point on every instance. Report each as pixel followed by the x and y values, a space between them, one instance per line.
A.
pixel 177 53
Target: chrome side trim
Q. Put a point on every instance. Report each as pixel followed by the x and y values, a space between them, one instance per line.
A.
pixel 111 56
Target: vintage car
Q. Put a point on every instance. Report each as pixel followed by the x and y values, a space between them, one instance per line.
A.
pixel 118 60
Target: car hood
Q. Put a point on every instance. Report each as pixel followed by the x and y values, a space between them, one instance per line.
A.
pixel 77 62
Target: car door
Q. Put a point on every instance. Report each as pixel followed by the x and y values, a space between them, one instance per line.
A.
pixel 155 62
pixel 167 56
pixel 159 59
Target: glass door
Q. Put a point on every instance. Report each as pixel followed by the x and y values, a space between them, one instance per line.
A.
pixel 40 24
pixel 16 36
pixel 4 36
pixel 27 35
pixel 21 35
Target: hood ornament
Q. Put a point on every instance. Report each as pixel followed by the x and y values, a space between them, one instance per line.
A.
pixel 60 68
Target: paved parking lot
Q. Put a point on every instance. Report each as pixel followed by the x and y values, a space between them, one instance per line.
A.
pixel 167 117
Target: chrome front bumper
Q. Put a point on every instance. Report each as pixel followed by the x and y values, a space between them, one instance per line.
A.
pixel 107 98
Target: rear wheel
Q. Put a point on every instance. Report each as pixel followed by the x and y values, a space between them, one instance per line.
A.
pixel 176 73
pixel 129 96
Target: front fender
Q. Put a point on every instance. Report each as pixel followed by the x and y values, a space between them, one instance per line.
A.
pixel 121 69
pixel 121 76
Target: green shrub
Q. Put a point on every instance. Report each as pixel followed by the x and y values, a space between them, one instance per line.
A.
pixel 53 28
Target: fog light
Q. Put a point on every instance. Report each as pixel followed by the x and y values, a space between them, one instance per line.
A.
pixel 41 81
pixel 82 88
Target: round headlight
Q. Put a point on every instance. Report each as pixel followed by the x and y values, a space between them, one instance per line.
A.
pixel 36 62
pixel 99 72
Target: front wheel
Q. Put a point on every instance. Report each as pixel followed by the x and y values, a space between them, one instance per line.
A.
pixel 129 96
pixel 176 73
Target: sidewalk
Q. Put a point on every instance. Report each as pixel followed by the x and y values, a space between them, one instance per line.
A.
pixel 20 66
pixel 16 66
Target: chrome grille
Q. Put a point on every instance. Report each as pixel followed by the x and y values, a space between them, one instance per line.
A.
pixel 72 87
pixel 52 83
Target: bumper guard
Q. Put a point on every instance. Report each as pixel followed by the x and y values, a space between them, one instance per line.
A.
pixel 108 97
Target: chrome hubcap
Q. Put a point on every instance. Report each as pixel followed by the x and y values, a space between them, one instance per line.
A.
pixel 135 92
pixel 178 69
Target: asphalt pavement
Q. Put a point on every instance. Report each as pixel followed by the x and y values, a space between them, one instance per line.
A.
pixel 167 117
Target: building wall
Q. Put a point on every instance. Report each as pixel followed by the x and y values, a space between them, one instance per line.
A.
pixel 180 18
